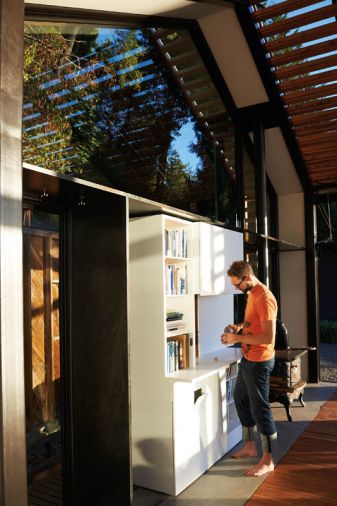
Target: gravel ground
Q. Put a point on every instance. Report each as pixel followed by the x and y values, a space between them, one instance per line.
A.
pixel 328 362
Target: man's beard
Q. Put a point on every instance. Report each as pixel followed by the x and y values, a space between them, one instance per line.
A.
pixel 246 288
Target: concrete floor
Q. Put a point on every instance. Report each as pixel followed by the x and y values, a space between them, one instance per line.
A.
pixel 224 484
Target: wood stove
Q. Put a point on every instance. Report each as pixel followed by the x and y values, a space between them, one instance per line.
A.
pixel 286 383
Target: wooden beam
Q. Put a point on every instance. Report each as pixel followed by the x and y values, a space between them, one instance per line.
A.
pixel 192 70
pixel 306 67
pixel 281 8
pixel 13 472
pixel 188 56
pixel 297 97
pixel 315 117
pixel 310 127
pixel 327 154
pixel 181 42
pixel 304 52
pixel 326 149
pixel 319 177
pixel 316 138
pixel 319 157
pixel 323 127
pixel 328 167
pixel 318 147
pixel 298 21
pixel 299 38
pixel 329 171
pixel 321 143
pixel 312 106
pixel 316 170
pixel 327 177
pixel 311 80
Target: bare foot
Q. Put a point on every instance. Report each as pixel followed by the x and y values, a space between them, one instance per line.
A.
pixel 266 465
pixel 248 450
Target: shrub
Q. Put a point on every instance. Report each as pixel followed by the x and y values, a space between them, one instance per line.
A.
pixel 328 331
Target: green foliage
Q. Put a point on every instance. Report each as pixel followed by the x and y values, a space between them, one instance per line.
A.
pixel 108 110
pixel 328 331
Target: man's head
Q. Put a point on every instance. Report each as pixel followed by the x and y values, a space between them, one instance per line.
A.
pixel 242 275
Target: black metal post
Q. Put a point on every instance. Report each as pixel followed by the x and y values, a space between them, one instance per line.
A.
pixel 239 184
pixel 312 292
pixel 261 198
pixel 216 196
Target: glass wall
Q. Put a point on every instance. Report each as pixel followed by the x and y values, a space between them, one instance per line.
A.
pixel 272 210
pixel 250 222
pixel 134 109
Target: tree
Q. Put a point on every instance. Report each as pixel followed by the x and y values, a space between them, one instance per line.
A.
pixel 129 120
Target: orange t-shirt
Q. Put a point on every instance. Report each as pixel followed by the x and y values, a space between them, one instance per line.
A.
pixel 261 306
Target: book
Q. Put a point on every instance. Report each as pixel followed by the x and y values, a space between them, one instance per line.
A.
pixel 176 279
pixel 175 242
pixel 177 353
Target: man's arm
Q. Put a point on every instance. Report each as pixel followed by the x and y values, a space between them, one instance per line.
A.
pixel 267 336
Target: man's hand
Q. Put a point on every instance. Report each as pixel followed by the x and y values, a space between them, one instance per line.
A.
pixel 227 338
pixel 233 328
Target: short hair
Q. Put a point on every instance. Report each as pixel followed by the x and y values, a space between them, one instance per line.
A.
pixel 240 268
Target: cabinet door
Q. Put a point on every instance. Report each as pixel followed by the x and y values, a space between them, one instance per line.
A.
pixel 218 248
pixel 212 259
pixel 196 426
pixel 233 251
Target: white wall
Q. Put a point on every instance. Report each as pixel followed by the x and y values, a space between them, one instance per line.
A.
pixel 280 167
pixel 292 218
pixel 293 289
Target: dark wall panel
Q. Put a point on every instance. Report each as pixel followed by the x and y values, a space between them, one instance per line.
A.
pixel 327 279
pixel 96 355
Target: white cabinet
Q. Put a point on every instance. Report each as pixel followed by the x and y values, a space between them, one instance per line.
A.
pixel 218 248
pixel 196 427
pixel 205 422
pixel 179 410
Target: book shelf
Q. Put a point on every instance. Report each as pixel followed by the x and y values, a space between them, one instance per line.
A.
pixel 178 236
pixel 183 418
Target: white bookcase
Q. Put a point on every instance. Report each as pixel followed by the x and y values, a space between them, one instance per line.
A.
pixel 183 416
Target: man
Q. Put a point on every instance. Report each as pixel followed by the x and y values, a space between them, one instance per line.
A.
pixel 251 392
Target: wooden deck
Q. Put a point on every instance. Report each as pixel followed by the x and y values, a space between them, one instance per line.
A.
pixel 307 473
pixel 46 492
